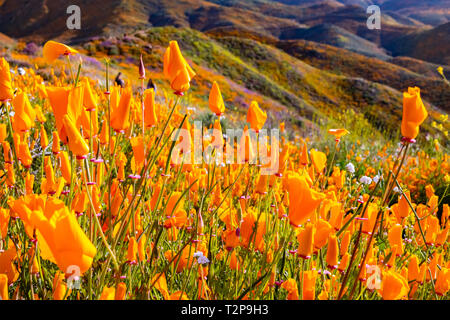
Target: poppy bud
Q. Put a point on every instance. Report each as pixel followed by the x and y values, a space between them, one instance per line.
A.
pixel 141 68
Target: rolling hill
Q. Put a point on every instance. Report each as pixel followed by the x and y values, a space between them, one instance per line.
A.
pixel 302 59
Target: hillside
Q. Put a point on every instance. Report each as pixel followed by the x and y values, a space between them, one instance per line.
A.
pixel 296 88
pixel 302 59
pixel 431 45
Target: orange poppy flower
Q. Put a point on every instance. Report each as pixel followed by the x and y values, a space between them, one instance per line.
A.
pixel 121 291
pixel 7 267
pixel 77 144
pixel 60 289
pixel 338 133
pixel 4 287
pixel 305 238
pixel 304 155
pixel 132 250
pixel 120 117
pixel 108 293
pixel 176 69
pixel 90 99
pixel 53 50
pixel 24 114
pixel 309 285
pixel 394 286
pixel 256 117
pixel 150 117
pixel 67 243
pixel 319 160
pixel 6 91
pixel 290 286
pixel 414 113
pixel 303 200
pixel 332 252
pixel 216 104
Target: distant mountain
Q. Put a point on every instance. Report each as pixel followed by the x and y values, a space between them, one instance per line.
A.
pixel 430 45
pixel 432 12
pixel 341 38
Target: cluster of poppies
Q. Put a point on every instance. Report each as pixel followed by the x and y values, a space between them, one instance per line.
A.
pixel 92 205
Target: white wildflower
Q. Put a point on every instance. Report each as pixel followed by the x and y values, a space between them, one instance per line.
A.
pixel 365 180
pixel 350 167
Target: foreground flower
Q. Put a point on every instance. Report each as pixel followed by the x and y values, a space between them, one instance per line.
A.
pixel 414 113
pixel 53 50
pixel 394 286
pixel 64 242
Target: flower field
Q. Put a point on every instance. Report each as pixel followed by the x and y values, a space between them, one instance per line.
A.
pixel 99 201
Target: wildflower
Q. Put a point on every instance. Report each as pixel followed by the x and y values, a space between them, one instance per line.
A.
pixel 290 286
pixel 67 244
pixel 414 113
pixel 60 289
pixel 309 285
pixel 319 160
pixel 90 99
pixel 6 91
pixel 305 238
pixel 350 167
pixel 216 104
pixel 256 117
pixel 24 113
pixel 77 144
pixel 338 133
pixel 302 199
pixel 332 252
pixel 121 291
pixel 4 287
pixel 150 117
pixel 120 117
pixel 201 259
pixel 132 251
pixel 365 180
pixel 443 281
pixel 53 50
pixel 394 286
pixel 176 69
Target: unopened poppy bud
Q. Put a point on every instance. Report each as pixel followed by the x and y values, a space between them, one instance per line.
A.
pixel 141 68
